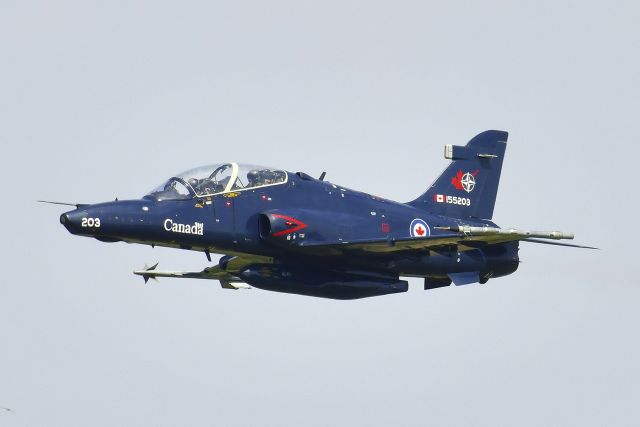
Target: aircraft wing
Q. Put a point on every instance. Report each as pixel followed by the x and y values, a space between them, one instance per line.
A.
pixel 226 275
pixel 461 238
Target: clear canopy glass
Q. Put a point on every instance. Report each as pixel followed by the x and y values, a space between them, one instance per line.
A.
pixel 216 179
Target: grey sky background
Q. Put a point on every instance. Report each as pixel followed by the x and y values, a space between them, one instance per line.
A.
pixel 104 100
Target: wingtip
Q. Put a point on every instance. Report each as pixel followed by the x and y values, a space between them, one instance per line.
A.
pixel 554 243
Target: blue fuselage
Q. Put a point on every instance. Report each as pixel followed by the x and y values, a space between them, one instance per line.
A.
pixel 314 212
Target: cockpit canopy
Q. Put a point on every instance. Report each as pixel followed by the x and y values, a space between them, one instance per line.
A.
pixel 216 179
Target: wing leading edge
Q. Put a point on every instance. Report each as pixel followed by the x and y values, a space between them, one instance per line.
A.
pixel 462 238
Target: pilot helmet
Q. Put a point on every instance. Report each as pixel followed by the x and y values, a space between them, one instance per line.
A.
pixel 268 176
pixel 253 176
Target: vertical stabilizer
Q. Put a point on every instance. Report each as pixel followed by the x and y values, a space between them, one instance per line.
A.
pixel 469 185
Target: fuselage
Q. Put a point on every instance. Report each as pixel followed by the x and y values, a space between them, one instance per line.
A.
pixel 314 211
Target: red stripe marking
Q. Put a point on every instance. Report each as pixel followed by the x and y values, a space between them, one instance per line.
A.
pixel 299 225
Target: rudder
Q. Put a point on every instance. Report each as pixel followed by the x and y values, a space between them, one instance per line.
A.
pixel 469 185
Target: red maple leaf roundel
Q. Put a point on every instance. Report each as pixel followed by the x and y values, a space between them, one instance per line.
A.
pixel 418 228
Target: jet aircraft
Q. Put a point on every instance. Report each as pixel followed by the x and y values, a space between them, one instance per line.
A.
pixel 289 232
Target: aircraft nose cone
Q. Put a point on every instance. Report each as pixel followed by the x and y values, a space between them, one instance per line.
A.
pixel 71 221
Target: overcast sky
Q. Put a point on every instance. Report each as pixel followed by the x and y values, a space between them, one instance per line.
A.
pixel 104 100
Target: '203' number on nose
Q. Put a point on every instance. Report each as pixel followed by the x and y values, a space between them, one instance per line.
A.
pixel 90 222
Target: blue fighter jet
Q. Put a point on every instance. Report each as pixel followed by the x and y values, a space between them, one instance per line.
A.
pixel 289 232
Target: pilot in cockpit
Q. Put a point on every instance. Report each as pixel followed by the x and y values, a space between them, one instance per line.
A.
pixel 253 178
pixel 194 184
pixel 200 186
pixel 258 177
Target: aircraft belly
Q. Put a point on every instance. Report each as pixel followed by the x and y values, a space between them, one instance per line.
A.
pixel 496 262
pixel 320 282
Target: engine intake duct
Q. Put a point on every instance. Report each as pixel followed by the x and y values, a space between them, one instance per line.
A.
pixel 279 225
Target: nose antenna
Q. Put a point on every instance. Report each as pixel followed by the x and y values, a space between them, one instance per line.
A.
pixel 77 205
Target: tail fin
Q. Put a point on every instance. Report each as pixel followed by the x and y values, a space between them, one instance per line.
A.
pixel 468 186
